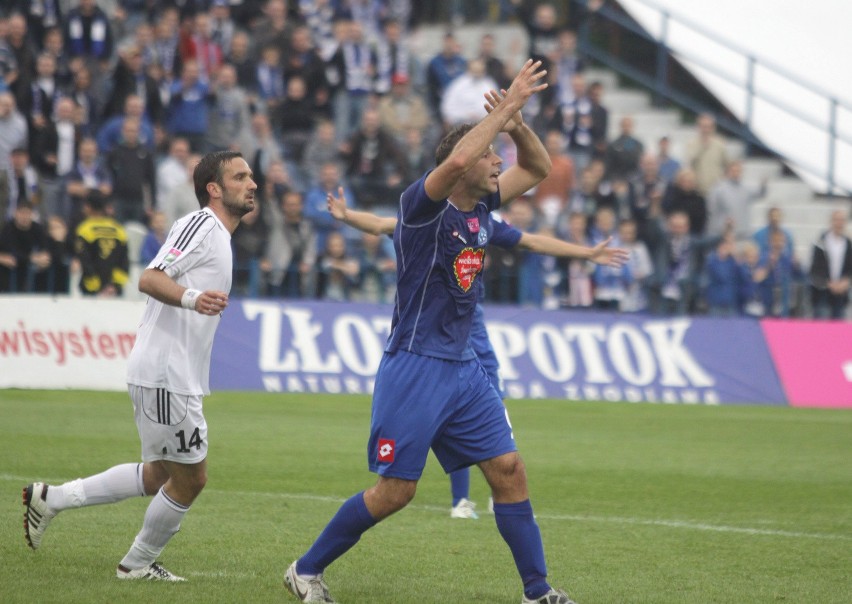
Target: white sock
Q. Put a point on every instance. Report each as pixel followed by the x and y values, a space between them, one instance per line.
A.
pixel 162 520
pixel 116 484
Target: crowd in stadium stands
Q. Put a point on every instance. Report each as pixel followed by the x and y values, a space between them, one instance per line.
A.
pixel 104 115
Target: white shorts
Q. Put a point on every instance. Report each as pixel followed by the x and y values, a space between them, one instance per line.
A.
pixel 171 426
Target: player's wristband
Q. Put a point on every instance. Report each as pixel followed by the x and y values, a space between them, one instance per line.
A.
pixel 187 300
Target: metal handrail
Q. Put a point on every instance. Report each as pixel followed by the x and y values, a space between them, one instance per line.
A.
pixel 658 84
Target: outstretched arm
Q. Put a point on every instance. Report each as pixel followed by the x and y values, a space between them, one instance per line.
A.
pixel 551 246
pixel 363 221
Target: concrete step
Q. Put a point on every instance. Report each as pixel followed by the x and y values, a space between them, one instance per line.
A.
pixel 625 101
pixel 789 189
pixel 805 213
pixel 757 169
pixel 607 78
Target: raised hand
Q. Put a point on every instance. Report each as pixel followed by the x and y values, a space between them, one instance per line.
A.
pixel 526 83
pixel 337 205
pixel 494 98
pixel 609 256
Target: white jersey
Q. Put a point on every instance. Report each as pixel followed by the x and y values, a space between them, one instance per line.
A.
pixel 174 344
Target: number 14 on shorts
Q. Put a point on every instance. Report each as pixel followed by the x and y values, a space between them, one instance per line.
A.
pixel 194 441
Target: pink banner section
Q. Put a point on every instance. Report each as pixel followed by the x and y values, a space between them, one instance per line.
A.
pixel 813 360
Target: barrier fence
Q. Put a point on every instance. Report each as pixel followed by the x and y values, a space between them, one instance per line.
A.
pixel 324 347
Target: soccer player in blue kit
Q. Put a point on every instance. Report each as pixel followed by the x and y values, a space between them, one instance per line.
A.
pixel 500 234
pixel 431 391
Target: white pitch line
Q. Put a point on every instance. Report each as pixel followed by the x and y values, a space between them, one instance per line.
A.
pixel 677 524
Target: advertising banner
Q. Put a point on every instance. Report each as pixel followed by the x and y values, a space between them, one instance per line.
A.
pixel 814 360
pixel 336 348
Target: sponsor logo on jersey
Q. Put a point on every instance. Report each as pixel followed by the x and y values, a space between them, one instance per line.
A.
pixel 172 256
pixel 467 265
pixel 457 235
pixel 473 224
pixel 387 446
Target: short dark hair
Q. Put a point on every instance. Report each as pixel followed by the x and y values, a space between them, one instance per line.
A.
pixel 449 142
pixel 209 169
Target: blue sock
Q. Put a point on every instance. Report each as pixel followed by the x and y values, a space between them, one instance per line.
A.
pixel 340 534
pixel 518 527
pixel 460 485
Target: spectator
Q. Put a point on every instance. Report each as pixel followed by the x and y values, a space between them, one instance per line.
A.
pixel 395 58
pixel 403 110
pixel 24 187
pixel 783 276
pixel 42 17
pixel 462 101
pixel 13 135
pixel 240 57
pixel 706 154
pixel 8 65
pixel 171 170
pixel 320 149
pixel 351 71
pixel 260 148
pixel 610 285
pixel 292 251
pixel 274 28
pixel 416 160
pixel 302 61
pixel 48 142
pixel 88 173
pixel 86 101
pixel 722 280
pixel 56 279
pixel 221 26
pixel 337 270
pixel 443 69
pixel 624 152
pixel 24 52
pixel 88 34
pixel 646 199
pixel 269 79
pixel 831 270
pixel 230 111
pixel 197 44
pixel 294 120
pixel 577 123
pixel 578 272
pixel 752 278
pixel 682 195
pixel 377 269
pixel 566 62
pixel 729 204
pixel 165 43
pixel 133 176
pixel 316 205
pixel 23 250
pixel 773 224
pixel 674 273
pixel 669 166
pixel 373 164
pixel 101 248
pixel 495 68
pixel 188 111
pixel 130 78
pixel 42 94
pixel 600 120
pixel 250 249
pixel 641 268
pixel 109 134
pixel 154 238
pixel 542 29
pixel 181 199
pixel 530 266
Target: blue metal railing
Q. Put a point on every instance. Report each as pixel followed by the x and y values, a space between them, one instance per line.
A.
pixel 658 83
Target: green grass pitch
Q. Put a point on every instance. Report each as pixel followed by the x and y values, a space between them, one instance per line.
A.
pixel 636 503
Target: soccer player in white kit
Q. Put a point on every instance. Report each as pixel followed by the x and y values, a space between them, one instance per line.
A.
pixel 167 373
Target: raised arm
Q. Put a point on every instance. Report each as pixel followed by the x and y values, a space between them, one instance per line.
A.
pixel 551 246
pixel 475 143
pixel 363 221
pixel 533 161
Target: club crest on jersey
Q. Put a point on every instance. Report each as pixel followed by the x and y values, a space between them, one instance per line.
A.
pixel 387 446
pixel 171 256
pixel 473 224
pixel 467 265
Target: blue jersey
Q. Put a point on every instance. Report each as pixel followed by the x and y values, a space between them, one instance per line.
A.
pixel 440 254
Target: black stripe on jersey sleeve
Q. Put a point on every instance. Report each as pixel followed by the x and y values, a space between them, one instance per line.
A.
pixel 190 230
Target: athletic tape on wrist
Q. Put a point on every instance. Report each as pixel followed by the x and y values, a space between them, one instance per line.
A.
pixel 187 300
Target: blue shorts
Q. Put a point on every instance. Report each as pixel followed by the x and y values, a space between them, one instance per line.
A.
pixel 423 402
